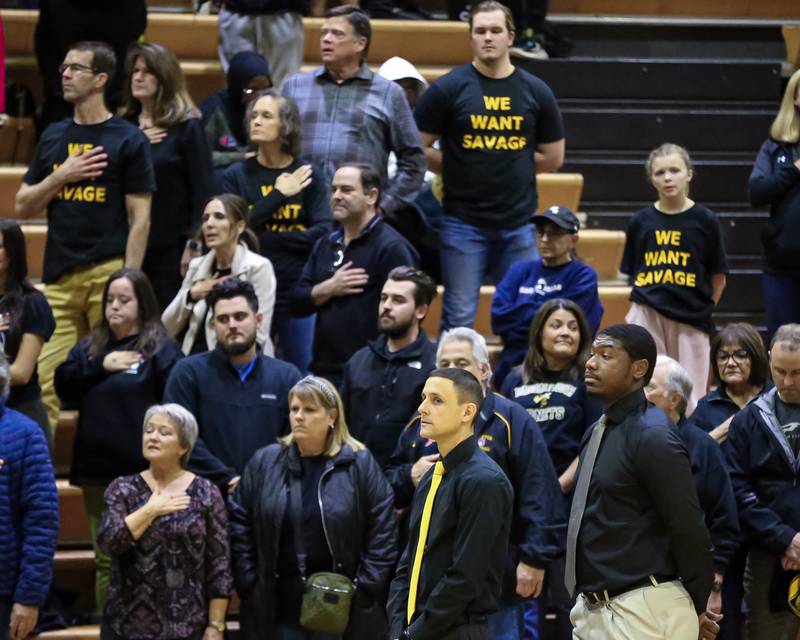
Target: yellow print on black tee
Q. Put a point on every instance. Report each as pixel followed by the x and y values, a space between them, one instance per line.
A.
pixel 285 217
pixel 667 264
pixel 490 125
pixel 81 193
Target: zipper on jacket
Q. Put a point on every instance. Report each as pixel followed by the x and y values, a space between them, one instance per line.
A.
pixel 322 513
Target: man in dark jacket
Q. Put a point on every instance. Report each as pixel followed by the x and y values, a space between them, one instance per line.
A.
pixel 515 442
pixel 29 521
pixel 383 381
pixel 670 389
pixel 238 395
pixel 762 450
pixel 343 277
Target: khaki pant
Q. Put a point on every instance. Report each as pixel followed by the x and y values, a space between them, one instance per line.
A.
pixel 77 303
pixel 682 342
pixel 663 612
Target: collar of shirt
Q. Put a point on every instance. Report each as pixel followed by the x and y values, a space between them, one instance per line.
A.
pixel 462 452
pixel 363 73
pixel 622 408
pixel 337 237
pixel 485 413
pixel 244 369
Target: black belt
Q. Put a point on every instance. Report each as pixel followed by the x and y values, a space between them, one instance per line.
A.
pixel 594 599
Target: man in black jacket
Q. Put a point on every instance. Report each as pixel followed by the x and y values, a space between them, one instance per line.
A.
pixel 449 577
pixel 670 389
pixel 762 450
pixel 638 551
pixel 383 381
pixel 345 272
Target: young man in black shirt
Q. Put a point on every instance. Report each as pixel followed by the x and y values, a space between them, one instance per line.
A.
pixel 343 277
pixel 638 551
pixel 383 381
pixel 762 450
pixel 499 126
pixel 449 577
pixel 94 175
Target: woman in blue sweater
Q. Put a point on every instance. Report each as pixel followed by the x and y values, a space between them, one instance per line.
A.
pixel 775 181
pixel 530 283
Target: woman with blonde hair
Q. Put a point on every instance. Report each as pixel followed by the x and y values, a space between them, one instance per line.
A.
pixel 314 502
pixel 156 100
pixel 775 181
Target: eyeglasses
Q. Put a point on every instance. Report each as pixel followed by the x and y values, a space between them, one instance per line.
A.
pixel 75 67
pixel 740 355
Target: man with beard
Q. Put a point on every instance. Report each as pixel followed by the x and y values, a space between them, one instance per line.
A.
pixel 238 395
pixel 343 276
pixel 383 381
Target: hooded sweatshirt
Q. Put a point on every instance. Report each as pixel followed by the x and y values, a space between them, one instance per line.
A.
pixel 224 111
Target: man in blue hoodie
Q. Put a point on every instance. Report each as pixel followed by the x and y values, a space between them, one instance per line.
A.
pixel 528 284
pixel 28 520
pixel 762 450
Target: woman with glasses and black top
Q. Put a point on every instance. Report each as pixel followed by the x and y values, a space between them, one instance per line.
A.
pixel 315 502
pixel 740 366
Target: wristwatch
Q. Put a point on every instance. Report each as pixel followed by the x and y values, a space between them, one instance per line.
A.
pixel 216 624
pixel 716 587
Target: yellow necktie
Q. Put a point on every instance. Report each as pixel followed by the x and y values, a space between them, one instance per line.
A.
pixel 425 523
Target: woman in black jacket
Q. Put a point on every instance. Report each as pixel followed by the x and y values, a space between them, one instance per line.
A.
pixel 348 525
pixel 775 181
pixel 112 377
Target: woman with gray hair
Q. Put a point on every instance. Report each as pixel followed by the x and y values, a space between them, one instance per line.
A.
pixel 290 210
pixel 166 532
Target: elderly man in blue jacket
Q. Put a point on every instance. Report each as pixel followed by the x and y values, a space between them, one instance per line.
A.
pixel 28 518
pixel 762 450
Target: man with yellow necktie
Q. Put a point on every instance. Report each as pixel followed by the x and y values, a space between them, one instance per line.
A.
pixel 449 577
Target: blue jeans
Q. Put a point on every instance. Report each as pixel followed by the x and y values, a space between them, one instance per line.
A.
pixel 509 622
pixel 781 301
pixel 295 337
pixel 5 616
pixel 468 255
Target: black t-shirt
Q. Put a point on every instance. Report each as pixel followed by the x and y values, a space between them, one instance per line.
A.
pixel 182 164
pixel 318 556
pixel 788 416
pixel 489 132
pixel 37 319
pixel 287 228
pixel 87 220
pixel 670 259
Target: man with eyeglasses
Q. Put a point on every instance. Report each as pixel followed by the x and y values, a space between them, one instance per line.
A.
pixel 94 175
pixel 528 284
pixel 763 450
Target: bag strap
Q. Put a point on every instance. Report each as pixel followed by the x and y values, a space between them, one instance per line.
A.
pixel 296 507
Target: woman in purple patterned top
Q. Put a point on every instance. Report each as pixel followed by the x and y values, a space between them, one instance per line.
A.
pixel 166 532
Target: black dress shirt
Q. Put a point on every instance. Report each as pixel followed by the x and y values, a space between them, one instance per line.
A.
pixel 462 567
pixel 642 514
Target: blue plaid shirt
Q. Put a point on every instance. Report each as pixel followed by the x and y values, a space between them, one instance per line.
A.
pixel 360 120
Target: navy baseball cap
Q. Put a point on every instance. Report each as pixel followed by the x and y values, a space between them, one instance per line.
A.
pixel 561 216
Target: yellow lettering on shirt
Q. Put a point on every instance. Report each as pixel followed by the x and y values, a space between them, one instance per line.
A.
pixel 76 148
pixel 78 193
pixel 266 189
pixel 497 103
pixel 665 256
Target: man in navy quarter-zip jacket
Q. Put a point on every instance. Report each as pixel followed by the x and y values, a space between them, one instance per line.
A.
pixel 343 277
pixel 762 450
pixel 239 396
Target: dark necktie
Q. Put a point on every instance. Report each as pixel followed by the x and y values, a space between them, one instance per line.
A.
pixel 579 502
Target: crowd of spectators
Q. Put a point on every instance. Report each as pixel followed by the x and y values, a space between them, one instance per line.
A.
pixel 233 303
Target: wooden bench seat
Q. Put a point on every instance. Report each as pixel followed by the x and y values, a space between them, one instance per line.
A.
pixel 74 530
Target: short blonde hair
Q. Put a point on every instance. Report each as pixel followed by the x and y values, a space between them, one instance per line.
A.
pixel 323 394
pixel 786 126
